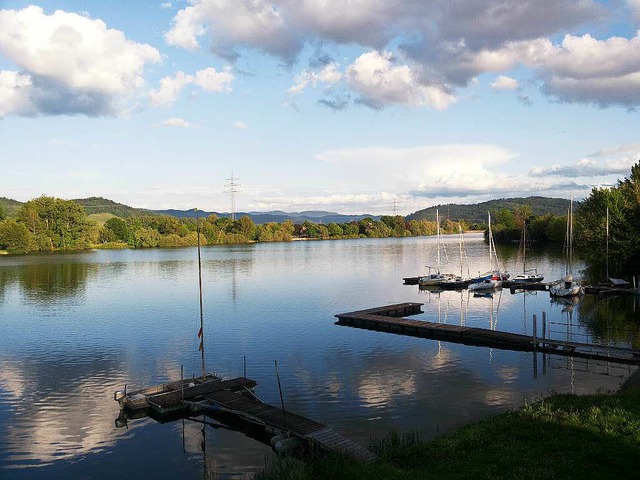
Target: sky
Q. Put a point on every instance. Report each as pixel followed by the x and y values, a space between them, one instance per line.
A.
pixel 350 106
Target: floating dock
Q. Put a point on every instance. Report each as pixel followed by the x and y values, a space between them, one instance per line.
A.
pixel 390 319
pixel 234 399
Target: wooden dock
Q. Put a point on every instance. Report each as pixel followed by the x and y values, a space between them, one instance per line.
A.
pixel 389 319
pixel 313 434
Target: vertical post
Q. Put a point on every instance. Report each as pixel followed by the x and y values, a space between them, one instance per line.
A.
pixel 535 347
pixel 544 336
pixel 182 380
pixel 284 412
pixel 201 332
pixel 244 370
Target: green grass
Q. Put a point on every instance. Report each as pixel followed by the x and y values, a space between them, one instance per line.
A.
pixel 561 437
pixel 100 218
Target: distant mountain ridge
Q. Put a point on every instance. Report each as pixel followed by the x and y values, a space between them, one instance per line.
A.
pixel 477 212
pixel 473 213
pixel 275 216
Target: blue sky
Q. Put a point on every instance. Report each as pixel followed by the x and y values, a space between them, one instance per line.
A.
pixel 317 104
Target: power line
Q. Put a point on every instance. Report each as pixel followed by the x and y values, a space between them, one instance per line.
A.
pixel 232 188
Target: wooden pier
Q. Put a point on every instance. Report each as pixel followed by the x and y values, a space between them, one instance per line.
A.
pixel 234 400
pixel 313 434
pixel 389 319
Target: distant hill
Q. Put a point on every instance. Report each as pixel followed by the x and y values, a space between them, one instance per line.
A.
pixel 275 216
pixel 94 205
pixel 477 213
pixel 10 206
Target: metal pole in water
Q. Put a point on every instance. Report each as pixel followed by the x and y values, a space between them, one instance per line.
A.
pixel 544 336
pixel 204 372
pixel 535 346
pixel 284 412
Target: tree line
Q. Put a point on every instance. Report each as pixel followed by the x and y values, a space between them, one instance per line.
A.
pixel 49 224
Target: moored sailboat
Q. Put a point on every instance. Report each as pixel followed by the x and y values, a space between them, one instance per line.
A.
pixel 494 278
pixel 567 286
pixel 434 279
pixel 527 276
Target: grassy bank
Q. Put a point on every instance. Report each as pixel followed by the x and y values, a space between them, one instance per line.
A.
pixel 563 436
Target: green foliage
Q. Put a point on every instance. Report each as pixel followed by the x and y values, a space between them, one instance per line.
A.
pixel 477 213
pixel 2 214
pixel 623 202
pixel 145 237
pixel 118 229
pixel 15 237
pixel 563 436
pixel 94 205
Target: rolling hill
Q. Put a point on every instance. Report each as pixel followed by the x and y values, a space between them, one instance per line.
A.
pixel 477 213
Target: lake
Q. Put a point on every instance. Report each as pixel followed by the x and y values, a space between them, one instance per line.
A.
pixel 75 327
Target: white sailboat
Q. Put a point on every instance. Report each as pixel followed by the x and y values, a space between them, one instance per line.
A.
pixel 493 279
pixel 527 276
pixel 458 281
pixel 567 286
pixel 434 279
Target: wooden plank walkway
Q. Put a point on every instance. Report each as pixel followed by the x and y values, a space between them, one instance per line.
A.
pixel 171 400
pixel 480 336
pixel 314 433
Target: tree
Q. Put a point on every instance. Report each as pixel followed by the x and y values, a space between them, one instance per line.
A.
pixel 15 237
pixel 120 229
pixel 2 214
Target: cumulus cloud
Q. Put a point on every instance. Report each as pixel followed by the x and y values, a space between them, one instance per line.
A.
pixel 177 122
pixel 446 43
pixel 70 64
pixel 380 82
pixel 208 80
pixel 241 125
pixel 505 83
pixel 617 161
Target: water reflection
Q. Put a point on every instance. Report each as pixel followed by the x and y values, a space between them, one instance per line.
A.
pixel 75 328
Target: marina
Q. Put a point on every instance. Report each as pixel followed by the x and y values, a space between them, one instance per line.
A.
pixel 98 321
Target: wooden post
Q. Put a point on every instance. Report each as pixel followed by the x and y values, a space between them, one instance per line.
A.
pixel 284 412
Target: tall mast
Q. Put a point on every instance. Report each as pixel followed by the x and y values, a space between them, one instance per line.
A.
pixel 438 239
pixel 490 246
pixel 607 242
pixel 201 332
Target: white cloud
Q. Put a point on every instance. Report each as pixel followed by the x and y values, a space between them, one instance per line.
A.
pixel 635 7
pixel 208 80
pixel 241 23
pixel 617 161
pixel 240 124
pixel 170 88
pixel 375 76
pixel 76 65
pixel 329 75
pixel 166 5
pixel 505 83
pixel 177 122
pixel 15 92
pixel 212 81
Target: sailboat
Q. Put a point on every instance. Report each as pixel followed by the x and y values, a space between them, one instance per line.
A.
pixel 530 275
pixel 494 278
pixel 459 281
pixel 434 279
pixel 567 286
pixel 139 402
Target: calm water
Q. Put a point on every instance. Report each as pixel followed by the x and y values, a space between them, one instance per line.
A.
pixel 76 327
